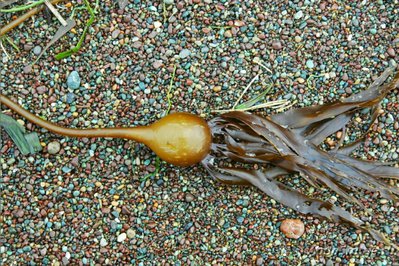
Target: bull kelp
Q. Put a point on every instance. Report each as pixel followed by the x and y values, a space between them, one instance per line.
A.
pixel 258 150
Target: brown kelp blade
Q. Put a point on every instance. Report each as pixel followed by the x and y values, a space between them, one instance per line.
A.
pixel 297 118
pixel 293 199
pixel 288 143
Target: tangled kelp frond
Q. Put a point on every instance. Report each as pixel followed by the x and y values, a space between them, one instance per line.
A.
pixel 288 143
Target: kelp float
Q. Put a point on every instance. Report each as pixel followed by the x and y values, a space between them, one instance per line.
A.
pixel 258 150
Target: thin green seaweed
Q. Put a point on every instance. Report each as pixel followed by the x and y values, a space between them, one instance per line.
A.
pixel 76 48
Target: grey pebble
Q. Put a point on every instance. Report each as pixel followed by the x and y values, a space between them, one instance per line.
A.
pixel 309 64
pixel 184 53
pixel 65 261
pixel 168 2
pixel 73 80
pixel 53 147
pixel 37 50
pixel 355 22
pixel 189 197
pixel 115 34
pixel 157 64
pixel 390 119
pixel 103 242
pixel 298 15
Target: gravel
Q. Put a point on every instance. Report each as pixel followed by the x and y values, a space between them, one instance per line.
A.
pixel 102 202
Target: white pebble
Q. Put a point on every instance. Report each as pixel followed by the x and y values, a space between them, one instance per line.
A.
pixel 157 24
pixel 121 237
pixel 103 242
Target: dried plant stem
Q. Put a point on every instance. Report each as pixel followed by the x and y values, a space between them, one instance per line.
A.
pixel 262 65
pixel 245 90
pixel 24 17
pixel 4 49
pixel 275 104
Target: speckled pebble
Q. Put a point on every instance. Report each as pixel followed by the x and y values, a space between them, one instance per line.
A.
pixel 292 228
pixel 53 147
pixel 131 233
pixel 391 52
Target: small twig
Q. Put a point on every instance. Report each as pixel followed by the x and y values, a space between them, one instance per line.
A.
pixel 285 107
pixel 12 43
pixel 156 172
pixel 245 90
pixel 55 13
pixel 24 17
pixel 4 49
pixel 262 65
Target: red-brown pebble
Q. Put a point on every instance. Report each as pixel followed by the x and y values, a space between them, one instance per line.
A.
pixel 292 228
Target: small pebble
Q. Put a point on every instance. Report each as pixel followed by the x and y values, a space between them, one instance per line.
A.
pixel 121 237
pixel 53 147
pixel 103 242
pixel 277 45
pixel 298 15
pixel 131 233
pixel 184 53
pixel 73 80
pixel 37 50
pixel 189 197
pixel 157 64
pixel 391 52
pixel 309 64
pixel 41 89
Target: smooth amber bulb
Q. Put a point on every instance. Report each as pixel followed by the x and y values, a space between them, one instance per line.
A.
pixel 180 138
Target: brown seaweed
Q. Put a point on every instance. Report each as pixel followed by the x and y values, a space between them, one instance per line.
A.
pixel 262 149
pixel 289 142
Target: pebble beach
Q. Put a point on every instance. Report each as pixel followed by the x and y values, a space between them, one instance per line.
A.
pixel 84 201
